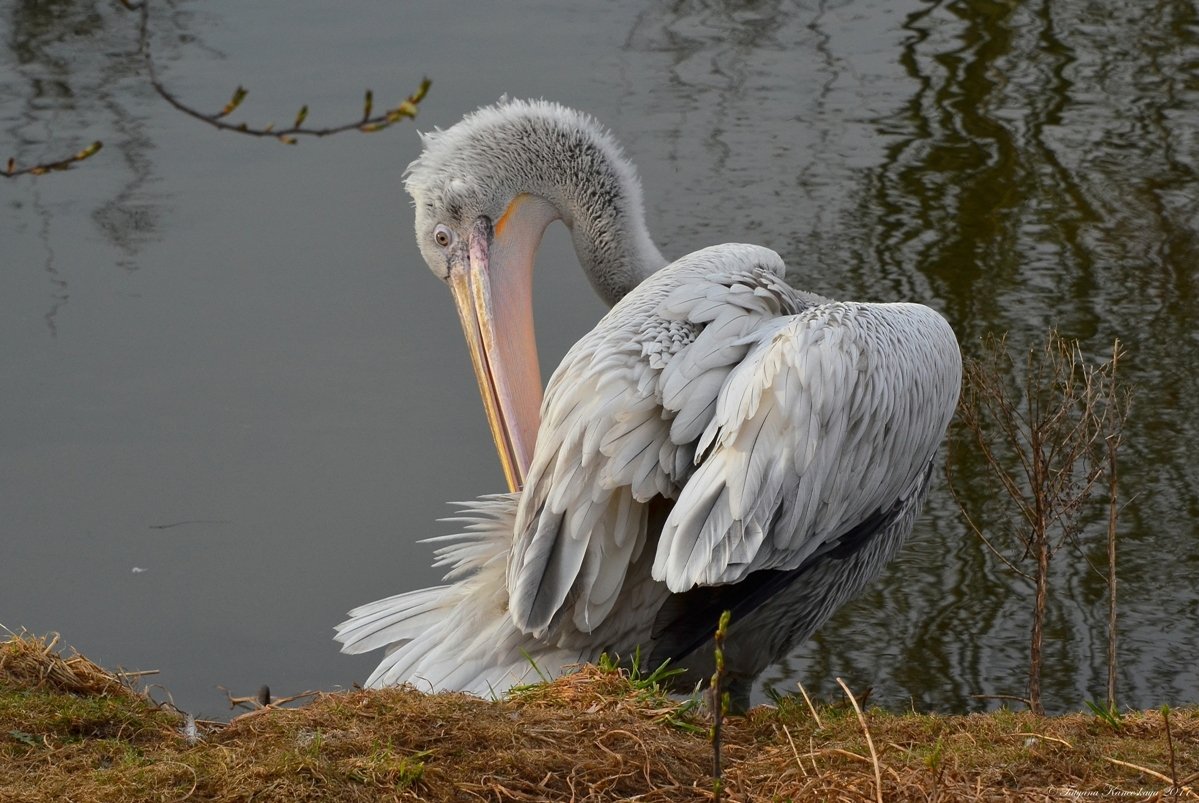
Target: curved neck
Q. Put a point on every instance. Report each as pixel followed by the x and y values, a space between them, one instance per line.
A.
pixel 495 155
pixel 612 243
pixel 577 168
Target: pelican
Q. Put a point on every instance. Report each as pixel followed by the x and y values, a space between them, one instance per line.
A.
pixel 719 441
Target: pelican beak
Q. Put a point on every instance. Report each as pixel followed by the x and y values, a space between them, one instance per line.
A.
pixel 492 287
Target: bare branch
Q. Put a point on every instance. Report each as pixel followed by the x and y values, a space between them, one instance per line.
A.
pixel 953 490
pixel 1045 433
pixel 42 168
pixel 368 124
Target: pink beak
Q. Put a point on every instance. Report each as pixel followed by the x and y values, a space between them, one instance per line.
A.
pixel 493 291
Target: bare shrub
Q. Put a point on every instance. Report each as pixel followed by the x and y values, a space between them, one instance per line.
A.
pixel 1048 428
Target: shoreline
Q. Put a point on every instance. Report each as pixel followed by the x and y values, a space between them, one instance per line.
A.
pixel 70 729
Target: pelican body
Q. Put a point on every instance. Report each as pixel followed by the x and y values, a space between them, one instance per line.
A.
pixel 719 441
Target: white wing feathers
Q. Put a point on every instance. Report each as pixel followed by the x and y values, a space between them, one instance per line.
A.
pixel 807 420
pixel 607 443
pixel 831 417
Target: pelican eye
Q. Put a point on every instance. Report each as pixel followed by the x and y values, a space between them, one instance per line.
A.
pixel 443 236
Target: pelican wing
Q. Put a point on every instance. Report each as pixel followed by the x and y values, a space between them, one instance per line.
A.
pixel 779 422
pixel 620 421
pixel 830 420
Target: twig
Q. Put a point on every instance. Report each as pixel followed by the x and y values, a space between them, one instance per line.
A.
pixel 1170 742
pixel 719 704
pixel 841 751
pixel 1044 737
pixel 278 701
pixel 878 775
pixel 47 167
pixel 260 699
pixel 1139 768
pixel 288 136
pixel 1113 439
pixel 366 124
pixel 795 752
pixel 1011 697
pixel 811 707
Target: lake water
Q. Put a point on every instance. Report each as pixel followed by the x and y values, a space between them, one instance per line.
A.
pixel 233 397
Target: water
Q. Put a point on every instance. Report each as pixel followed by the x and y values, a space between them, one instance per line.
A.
pixel 225 365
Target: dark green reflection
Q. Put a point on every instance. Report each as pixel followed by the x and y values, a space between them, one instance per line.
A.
pixel 1044 176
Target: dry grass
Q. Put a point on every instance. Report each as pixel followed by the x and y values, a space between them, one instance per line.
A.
pixel 70 730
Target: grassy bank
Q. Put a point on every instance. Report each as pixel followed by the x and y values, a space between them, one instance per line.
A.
pixel 70 730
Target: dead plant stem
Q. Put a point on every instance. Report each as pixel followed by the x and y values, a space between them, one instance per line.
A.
pixel 878 776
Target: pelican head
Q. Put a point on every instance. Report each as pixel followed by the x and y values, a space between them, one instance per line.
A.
pixel 485 190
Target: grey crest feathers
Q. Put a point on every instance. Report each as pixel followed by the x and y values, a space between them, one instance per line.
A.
pixel 508 148
pixel 477 166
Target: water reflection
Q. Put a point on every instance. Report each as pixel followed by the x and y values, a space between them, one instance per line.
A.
pixel 75 71
pixel 1035 185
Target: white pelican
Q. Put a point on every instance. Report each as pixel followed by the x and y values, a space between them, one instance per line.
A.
pixel 718 441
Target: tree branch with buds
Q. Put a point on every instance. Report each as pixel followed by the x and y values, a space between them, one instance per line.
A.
pixel 369 122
